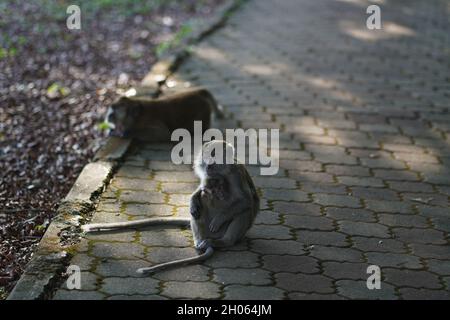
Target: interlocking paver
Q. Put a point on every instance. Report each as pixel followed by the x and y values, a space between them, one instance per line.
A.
pixel 304 283
pixel 144 286
pixel 242 276
pixel 191 290
pixel 295 264
pixel 365 162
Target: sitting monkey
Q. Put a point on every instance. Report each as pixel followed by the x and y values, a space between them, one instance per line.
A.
pixel 223 208
pixel 154 120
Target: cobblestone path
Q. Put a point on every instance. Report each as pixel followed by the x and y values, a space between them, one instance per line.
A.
pixel 364 172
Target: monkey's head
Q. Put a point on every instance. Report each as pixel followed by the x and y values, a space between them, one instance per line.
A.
pixel 122 115
pixel 215 159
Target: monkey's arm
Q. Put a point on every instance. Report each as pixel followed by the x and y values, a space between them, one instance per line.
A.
pixel 195 205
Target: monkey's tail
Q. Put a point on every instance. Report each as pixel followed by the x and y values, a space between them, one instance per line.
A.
pixel 138 223
pixel 163 266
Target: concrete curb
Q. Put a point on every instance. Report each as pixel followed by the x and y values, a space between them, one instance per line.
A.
pixel 166 65
pixel 46 269
pixel 49 262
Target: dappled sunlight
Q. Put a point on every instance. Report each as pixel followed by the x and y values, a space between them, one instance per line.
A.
pixel 210 54
pixel 259 69
pixel 363 3
pixel 389 30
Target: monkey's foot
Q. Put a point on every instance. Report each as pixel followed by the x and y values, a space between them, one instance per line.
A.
pixel 204 244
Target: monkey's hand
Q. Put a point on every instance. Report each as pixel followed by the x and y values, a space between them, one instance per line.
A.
pixel 216 223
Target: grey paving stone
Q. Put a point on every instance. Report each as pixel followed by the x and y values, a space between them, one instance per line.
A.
pixel 117 250
pixel 122 183
pixel 285 263
pixel 181 176
pixel 267 217
pixel 164 254
pixel 277 247
pixel 431 251
pixel 398 220
pixel 120 268
pixel 83 261
pixel 379 245
pixel 178 187
pixel 331 188
pixel 395 260
pixel 108 206
pixel 350 214
pixel 375 193
pixel 389 206
pixel 287 195
pixel 166 238
pixel 311 177
pixel 414 235
pixel 300 165
pixel 412 278
pixel 101 217
pixel 142 197
pixel 134 172
pixel 191 290
pixel 119 236
pixel 348 170
pixel 361 181
pixel 441 267
pixel 269 232
pixel 179 199
pixel 401 175
pixel 345 270
pixel 313 296
pixel 230 259
pixel 295 208
pixel 309 223
pixel 78 295
pixel 336 254
pixel 242 276
pixel 303 283
pixel 197 273
pixel 149 210
pixel 143 286
pixel 322 237
pixel 269 182
pixel 368 229
pixel 423 294
pixel 410 186
pixel 356 289
pixel 239 292
pixel 136 297
pixel 337 200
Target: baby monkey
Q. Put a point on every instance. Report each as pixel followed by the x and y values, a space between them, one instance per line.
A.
pixel 223 208
pixel 154 120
